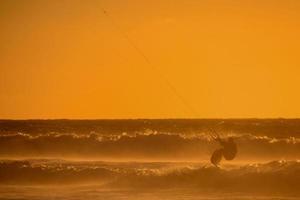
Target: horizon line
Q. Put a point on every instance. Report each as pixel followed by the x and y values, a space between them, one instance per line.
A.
pixel 187 118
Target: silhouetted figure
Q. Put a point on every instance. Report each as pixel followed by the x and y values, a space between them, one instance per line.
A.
pixel 228 150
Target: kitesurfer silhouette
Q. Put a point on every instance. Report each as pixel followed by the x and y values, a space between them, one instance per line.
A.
pixel 228 150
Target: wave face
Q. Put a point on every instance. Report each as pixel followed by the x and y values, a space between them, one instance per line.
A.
pixel 147 145
pixel 148 139
pixel 276 176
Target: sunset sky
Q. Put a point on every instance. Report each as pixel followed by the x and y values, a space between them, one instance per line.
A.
pixel 226 58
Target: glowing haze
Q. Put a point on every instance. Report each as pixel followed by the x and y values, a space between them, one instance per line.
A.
pixel 68 59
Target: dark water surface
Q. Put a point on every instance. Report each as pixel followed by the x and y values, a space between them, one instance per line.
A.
pixel 148 159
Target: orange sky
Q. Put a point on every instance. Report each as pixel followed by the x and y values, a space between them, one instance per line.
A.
pixel 227 58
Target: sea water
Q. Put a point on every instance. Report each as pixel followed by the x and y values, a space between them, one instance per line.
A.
pixel 148 159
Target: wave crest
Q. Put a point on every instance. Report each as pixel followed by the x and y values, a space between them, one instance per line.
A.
pixel 277 176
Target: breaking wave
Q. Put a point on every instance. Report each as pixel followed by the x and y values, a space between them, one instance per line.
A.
pixel 276 176
pixel 147 145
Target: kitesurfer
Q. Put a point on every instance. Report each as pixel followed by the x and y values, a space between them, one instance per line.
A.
pixel 228 150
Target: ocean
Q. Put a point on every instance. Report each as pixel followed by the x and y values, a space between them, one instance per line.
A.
pixel 148 159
